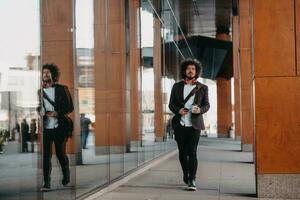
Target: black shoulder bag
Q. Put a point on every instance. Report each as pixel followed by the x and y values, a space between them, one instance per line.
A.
pixel 65 123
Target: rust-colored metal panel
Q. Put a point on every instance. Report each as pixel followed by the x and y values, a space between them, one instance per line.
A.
pixel 236 74
pixel 246 97
pixel 116 129
pixel 244 24
pixel 158 114
pixel 116 38
pixel 110 74
pixel 57 47
pixel 244 29
pixel 224 110
pixel 277 124
pixel 244 8
pixel 116 71
pixel 100 12
pixel 297 9
pixel 116 11
pixel 274 37
pixel 57 12
pixel 134 59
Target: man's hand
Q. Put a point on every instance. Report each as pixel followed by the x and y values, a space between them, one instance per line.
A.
pixel 196 110
pixel 182 111
pixel 52 114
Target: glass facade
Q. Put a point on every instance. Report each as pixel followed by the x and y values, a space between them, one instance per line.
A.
pixel 105 153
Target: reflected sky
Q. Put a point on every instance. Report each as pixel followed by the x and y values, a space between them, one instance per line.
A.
pixel 19 35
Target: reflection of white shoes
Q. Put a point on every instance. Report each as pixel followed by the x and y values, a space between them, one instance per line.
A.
pixel 45 189
pixel 1 152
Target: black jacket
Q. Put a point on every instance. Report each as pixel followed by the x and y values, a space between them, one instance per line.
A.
pixel 63 101
pixel 201 99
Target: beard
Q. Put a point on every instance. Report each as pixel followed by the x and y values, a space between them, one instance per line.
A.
pixel 47 80
pixel 190 77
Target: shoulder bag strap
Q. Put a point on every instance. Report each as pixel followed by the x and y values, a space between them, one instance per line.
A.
pixel 48 98
pixel 192 93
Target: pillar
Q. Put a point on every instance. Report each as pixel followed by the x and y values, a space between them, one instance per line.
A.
pixel 276 102
pixel 57 46
pixel 134 54
pixel 224 109
pixel 111 91
pixel 158 99
pixel 247 127
pixel 236 76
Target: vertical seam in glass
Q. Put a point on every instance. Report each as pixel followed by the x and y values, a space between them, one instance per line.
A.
pixel 180 29
pixel 150 3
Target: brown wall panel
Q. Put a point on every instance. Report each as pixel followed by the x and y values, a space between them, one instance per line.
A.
pixel 158 114
pixel 244 28
pixel 116 13
pixel 100 44
pixel 57 12
pixel 134 60
pixel 110 73
pixel 57 47
pixel 100 70
pixel 246 98
pixel 274 37
pixel 117 125
pixel 277 125
pixel 100 12
pixel 244 8
pixel 116 38
pixel 224 111
pixel 102 139
pixel 116 71
pixel 297 9
pixel 236 74
pixel 57 32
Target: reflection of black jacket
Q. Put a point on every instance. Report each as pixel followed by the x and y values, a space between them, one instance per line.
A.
pixel 201 99
pixel 25 131
pixel 63 101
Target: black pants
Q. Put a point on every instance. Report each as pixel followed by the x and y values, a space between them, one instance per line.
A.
pixel 53 136
pixel 187 139
pixel 84 136
pixel 24 142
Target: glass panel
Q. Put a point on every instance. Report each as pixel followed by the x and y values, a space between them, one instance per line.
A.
pixel 19 83
pixel 92 168
pixel 132 63
pixel 147 81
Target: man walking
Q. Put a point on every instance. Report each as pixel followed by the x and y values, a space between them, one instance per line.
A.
pixel 57 103
pixel 188 101
pixel 25 135
pixel 84 129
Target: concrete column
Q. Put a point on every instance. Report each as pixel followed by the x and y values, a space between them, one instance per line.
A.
pixel 277 107
pixel 110 76
pixel 224 110
pixel 57 46
pixel 247 127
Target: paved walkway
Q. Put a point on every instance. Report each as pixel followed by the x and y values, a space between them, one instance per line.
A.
pixel 224 173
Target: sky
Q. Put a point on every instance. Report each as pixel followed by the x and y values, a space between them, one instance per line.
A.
pixel 19 35
pixel 20 29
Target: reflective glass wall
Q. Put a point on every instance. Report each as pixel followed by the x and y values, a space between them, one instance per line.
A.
pixel 19 83
pixel 125 60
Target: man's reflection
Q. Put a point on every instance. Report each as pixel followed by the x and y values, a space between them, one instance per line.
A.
pixel 56 104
